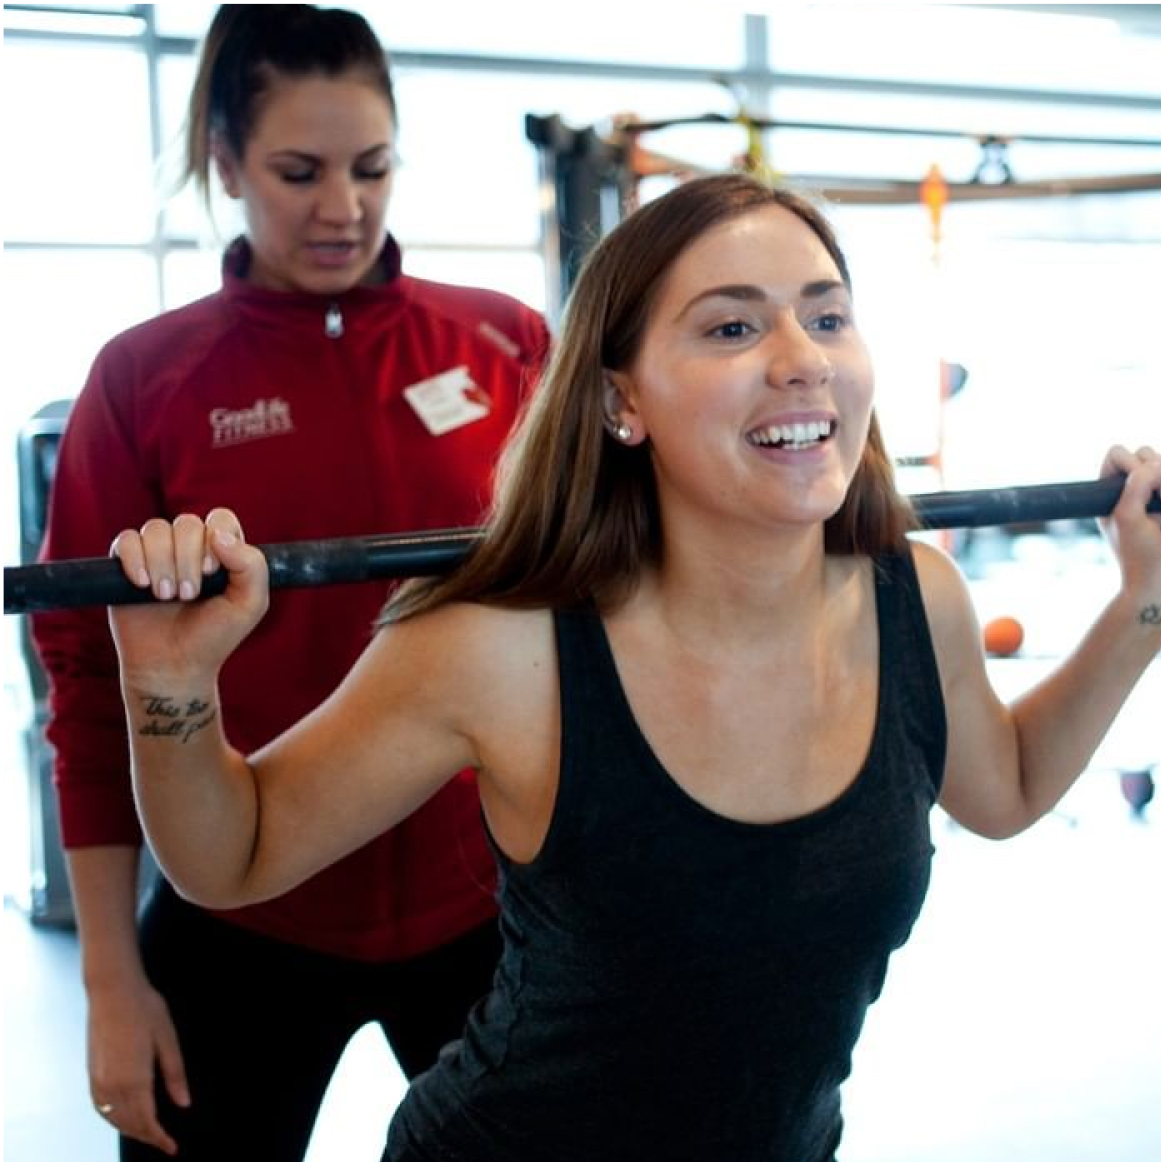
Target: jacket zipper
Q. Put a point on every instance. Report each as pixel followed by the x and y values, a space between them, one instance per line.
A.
pixel 333 324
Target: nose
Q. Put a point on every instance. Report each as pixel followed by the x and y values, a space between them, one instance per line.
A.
pixel 796 360
pixel 338 201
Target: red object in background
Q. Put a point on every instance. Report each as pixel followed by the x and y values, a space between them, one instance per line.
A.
pixel 1003 636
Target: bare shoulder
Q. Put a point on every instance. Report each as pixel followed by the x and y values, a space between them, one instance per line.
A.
pixel 935 567
pixel 478 634
pixel 492 674
pixel 471 653
pixel 944 588
pixel 955 631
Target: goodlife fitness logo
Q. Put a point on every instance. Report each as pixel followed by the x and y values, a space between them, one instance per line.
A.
pixel 264 418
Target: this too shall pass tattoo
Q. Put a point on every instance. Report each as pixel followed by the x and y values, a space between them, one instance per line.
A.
pixel 166 717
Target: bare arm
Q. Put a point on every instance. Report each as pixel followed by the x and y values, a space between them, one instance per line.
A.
pixel 229 830
pixel 130 1034
pixel 1010 764
pixel 104 890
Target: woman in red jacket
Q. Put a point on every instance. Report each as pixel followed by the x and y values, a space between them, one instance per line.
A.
pixel 322 393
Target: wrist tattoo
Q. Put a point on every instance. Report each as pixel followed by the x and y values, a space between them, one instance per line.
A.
pixel 1150 615
pixel 167 718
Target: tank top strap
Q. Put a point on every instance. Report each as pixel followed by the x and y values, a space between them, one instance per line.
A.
pixel 589 684
pixel 914 696
pixel 600 747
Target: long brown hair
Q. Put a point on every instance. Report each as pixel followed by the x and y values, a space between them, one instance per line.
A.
pixel 247 47
pixel 575 515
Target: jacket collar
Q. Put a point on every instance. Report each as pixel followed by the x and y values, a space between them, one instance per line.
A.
pixel 299 308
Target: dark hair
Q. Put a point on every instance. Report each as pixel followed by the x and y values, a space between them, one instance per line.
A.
pixel 248 46
pixel 576 513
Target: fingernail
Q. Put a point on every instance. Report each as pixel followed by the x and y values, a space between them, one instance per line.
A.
pixel 165 589
pixel 226 539
pixel 186 591
pixel 208 564
pixel 143 578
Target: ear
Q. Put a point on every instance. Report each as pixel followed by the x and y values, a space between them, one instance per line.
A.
pixel 621 415
pixel 226 165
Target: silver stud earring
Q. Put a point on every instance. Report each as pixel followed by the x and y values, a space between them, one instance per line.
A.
pixel 622 431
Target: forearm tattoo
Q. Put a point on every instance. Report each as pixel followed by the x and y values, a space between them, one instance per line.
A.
pixel 167 718
pixel 1150 615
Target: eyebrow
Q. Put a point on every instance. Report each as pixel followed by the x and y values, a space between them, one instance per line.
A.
pixel 302 155
pixel 750 293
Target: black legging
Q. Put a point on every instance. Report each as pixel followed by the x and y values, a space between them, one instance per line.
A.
pixel 262 1025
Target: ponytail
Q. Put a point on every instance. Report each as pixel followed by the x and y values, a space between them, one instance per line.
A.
pixel 197 132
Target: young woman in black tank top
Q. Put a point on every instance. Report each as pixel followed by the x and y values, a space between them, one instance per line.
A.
pixel 710 688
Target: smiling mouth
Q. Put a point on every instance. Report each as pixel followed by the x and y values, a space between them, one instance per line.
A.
pixel 793 436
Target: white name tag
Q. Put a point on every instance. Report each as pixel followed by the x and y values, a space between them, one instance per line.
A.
pixel 448 401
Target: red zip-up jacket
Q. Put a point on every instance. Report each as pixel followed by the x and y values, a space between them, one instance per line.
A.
pixel 288 408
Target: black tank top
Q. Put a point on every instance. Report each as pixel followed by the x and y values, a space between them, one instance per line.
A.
pixel 677 986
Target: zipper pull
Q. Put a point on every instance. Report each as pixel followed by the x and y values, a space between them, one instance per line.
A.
pixel 334 322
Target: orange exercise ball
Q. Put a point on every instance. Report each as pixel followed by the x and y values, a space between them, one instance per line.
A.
pixel 1003 636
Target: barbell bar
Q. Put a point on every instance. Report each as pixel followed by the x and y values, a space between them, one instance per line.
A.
pixel 72 584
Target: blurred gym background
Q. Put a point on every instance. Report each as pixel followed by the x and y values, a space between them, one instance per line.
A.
pixel 995 174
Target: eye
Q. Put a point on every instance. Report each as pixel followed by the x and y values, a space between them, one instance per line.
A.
pixel 734 329
pixel 374 166
pixel 832 321
pixel 297 177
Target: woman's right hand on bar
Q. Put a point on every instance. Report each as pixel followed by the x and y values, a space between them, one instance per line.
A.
pixel 178 635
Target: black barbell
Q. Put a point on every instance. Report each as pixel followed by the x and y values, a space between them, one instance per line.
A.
pixel 342 560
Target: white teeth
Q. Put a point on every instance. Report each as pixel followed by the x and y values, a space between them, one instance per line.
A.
pixel 792 435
